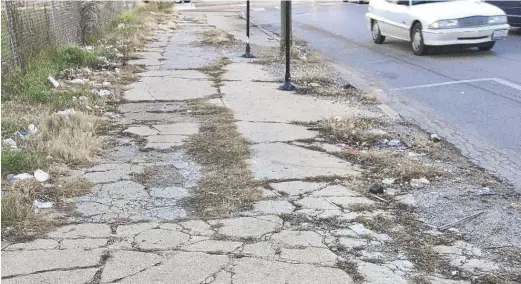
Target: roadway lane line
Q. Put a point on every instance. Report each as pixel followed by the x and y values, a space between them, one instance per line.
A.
pixel 507 83
pixel 443 84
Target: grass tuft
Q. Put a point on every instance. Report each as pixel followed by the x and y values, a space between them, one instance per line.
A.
pixel 352 130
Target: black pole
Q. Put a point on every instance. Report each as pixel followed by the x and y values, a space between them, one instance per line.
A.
pixel 288 86
pixel 248 51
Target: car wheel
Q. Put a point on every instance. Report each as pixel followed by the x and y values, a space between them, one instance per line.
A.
pixel 417 44
pixel 487 47
pixel 378 38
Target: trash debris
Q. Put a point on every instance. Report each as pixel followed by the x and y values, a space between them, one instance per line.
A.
pixel 106 84
pixel 11 143
pixel 66 112
pixel 77 82
pixel 53 81
pixel 447 226
pixel 111 114
pixel 42 205
pixel 394 143
pixel 435 138
pixel 314 85
pixel 359 229
pixel 419 182
pixel 119 55
pixel 102 93
pixel 391 191
pixel 31 129
pixel 388 181
pixel 379 198
pixel 484 191
pixel 89 48
pixel 376 189
pixel 116 70
pixel 41 176
pixel 22 176
pixel 412 154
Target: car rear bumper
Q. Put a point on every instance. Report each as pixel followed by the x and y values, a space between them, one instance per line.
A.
pixel 467 36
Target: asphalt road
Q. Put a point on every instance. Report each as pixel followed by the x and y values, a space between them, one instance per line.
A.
pixel 471 98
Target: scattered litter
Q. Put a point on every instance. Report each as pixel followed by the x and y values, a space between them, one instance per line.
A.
pixel 315 85
pixel 359 229
pixel 164 108
pixel 394 143
pixel 412 154
pixel 22 176
pixel 376 189
pixel 66 112
pixel 53 82
pixel 106 84
pixel 102 93
pixel 42 205
pixel 77 82
pixel 447 226
pixel 41 176
pixel 111 114
pixel 379 198
pixel 435 138
pixel 31 129
pixel 388 181
pixel 484 191
pixel 12 143
pixel 377 132
pixel 350 149
pixel 89 47
pixel 419 182
pixel 391 191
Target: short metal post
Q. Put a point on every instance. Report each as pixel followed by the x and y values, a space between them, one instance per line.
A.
pixel 248 50
pixel 288 86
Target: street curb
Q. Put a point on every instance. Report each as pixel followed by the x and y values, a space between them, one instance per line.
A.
pixel 354 78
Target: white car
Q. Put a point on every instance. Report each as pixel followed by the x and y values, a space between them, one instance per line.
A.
pixel 437 23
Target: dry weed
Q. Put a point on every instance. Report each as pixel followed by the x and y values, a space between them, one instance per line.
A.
pixel 217 37
pixel 70 139
pixel 352 130
pixel 226 184
pixel 385 164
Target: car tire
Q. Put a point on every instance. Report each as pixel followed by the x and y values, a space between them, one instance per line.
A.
pixel 418 46
pixel 378 38
pixel 487 47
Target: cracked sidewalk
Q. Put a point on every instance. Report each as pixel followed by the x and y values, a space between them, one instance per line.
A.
pixel 138 226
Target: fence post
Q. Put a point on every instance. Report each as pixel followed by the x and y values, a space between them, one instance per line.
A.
pixel 11 29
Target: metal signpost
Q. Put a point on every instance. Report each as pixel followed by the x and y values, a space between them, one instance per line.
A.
pixel 286 9
pixel 248 54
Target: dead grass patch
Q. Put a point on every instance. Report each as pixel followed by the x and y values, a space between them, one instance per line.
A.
pixel 226 184
pixel 352 130
pixel 387 164
pixel 360 207
pixel 217 37
pixel 70 139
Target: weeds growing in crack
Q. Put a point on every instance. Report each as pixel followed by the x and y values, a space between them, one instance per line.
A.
pixel 226 185
pixel 351 268
pixel 384 164
pixel 353 130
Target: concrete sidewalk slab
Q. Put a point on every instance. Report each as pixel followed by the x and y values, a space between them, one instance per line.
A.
pixel 281 161
pixel 260 101
pixel 261 132
pixel 168 89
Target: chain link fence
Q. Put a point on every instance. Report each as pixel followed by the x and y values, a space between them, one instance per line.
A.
pixel 30 27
